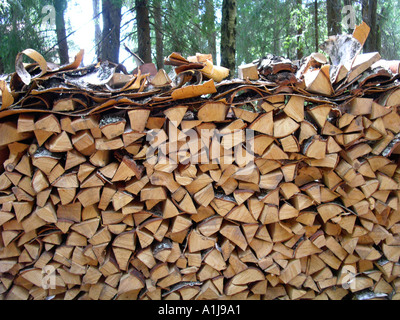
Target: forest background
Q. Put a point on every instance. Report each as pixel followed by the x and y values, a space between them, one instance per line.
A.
pixel 235 32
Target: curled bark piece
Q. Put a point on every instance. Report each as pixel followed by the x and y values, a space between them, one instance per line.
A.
pixel 20 68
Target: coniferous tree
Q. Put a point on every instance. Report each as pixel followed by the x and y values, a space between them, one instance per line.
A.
pixel 209 28
pixel 158 26
pixel 228 35
pixel 97 28
pixel 143 30
pixel 60 7
pixel 110 46
pixel 21 27
pixel 369 16
pixel 333 16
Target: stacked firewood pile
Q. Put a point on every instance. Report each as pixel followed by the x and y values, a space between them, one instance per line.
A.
pixel 283 184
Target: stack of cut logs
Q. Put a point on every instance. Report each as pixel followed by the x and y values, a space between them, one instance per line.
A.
pixel 281 184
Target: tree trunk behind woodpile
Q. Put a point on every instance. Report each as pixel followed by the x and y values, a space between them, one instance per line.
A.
pixel 111 11
pixel 228 35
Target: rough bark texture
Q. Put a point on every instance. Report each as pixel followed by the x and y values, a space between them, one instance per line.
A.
pixel 316 25
pixel 61 6
pixel 380 17
pixel 143 30
pixel 299 32
pixel 333 17
pixel 111 10
pixel 159 34
pixel 209 21
pixel 97 28
pixel 369 10
pixel 228 34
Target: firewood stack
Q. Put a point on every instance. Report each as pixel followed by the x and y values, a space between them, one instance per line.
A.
pixel 273 186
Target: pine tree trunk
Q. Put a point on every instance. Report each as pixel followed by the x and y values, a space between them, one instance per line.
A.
pixel 373 7
pixel 288 31
pixel 209 22
pixel 97 29
pixel 143 30
pixel 333 10
pixel 299 32
pixel 369 14
pixel 159 34
pixel 380 20
pixel 367 19
pixel 316 25
pixel 228 35
pixel 61 6
pixel 111 10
